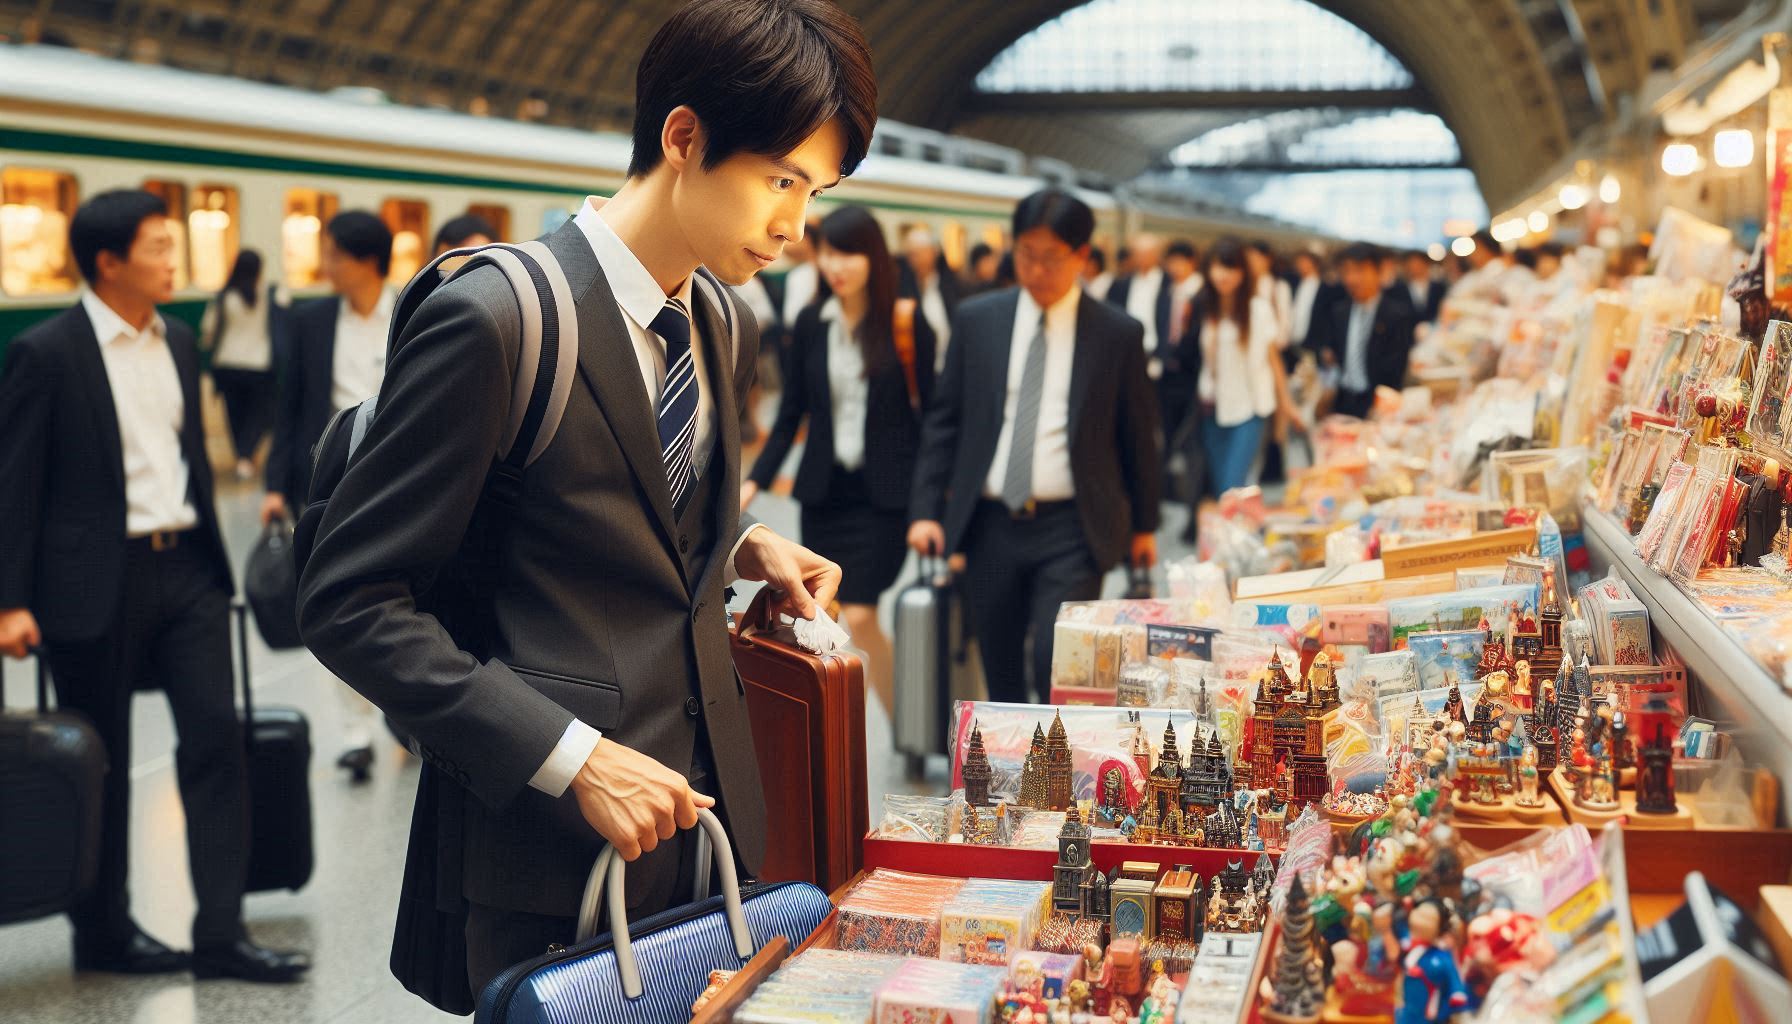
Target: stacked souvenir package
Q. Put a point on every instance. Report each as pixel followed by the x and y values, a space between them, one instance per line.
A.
pixel 820 986
pixel 990 920
pixel 895 912
pixel 939 992
pixel 1619 622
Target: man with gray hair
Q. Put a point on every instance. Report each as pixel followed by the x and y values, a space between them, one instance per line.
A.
pixel 925 278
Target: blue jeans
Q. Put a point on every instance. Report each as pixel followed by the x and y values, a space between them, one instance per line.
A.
pixel 1231 450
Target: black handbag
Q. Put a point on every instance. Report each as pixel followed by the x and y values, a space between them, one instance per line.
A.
pixel 271 583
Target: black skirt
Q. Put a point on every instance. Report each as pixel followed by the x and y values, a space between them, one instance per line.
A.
pixel 868 543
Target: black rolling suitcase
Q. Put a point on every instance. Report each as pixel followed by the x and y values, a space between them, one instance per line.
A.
pixel 279 755
pixel 52 771
pixel 932 662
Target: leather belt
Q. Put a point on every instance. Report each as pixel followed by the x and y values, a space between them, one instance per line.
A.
pixel 1031 510
pixel 161 540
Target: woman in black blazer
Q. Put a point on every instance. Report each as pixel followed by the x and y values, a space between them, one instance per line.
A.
pixel 859 367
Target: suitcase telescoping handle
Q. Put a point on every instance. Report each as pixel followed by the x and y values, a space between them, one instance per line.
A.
pixel 240 612
pixel 43 680
pixel 608 880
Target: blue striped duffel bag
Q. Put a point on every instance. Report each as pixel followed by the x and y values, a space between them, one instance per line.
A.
pixel 651 971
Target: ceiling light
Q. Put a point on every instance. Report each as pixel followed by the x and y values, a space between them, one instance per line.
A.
pixel 1538 221
pixel 1609 189
pixel 1680 159
pixel 1734 148
pixel 1462 246
pixel 1572 197
pixel 1436 251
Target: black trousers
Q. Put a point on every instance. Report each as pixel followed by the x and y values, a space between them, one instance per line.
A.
pixel 249 402
pixel 1354 403
pixel 1017 573
pixel 498 939
pixel 172 630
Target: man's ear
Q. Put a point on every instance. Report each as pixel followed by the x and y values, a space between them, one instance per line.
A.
pixel 681 138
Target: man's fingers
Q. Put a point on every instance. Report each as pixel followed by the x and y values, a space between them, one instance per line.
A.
pixel 827 585
pixel 700 800
pixel 649 841
pixel 627 850
pixel 685 812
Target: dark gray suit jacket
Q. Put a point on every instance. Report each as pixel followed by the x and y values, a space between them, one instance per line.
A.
pixel 1113 424
pixel 608 609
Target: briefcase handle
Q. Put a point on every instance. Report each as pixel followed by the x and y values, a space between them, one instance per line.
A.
pixel 608 877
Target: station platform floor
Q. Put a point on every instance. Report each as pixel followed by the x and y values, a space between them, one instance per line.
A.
pixel 344 916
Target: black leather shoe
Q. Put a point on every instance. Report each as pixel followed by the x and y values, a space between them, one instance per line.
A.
pixel 246 961
pixel 139 954
pixel 357 762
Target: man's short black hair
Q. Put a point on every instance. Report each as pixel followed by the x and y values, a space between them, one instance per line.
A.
pixel 1098 261
pixel 454 232
pixel 980 251
pixel 1181 247
pixel 1555 249
pixel 1067 216
pixel 362 236
pixel 108 222
pixel 761 75
pixel 1526 258
pixel 1484 240
pixel 1360 252
pixel 1416 254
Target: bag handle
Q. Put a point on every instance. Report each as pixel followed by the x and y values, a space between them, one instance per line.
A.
pixel 759 616
pixel 608 877
pixel 240 612
pixel 43 680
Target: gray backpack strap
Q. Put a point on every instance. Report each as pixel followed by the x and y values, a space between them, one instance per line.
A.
pixel 725 300
pixel 358 430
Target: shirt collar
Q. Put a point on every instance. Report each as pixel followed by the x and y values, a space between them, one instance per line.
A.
pixel 109 327
pixel 636 291
pixel 831 310
pixel 1061 313
pixel 382 309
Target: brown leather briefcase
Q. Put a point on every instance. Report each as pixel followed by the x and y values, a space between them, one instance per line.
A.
pixel 808 714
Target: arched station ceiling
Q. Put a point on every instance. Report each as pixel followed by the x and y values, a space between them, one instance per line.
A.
pixel 1516 80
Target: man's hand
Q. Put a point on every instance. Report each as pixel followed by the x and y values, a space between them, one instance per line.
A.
pixel 632 800
pixel 748 491
pixel 806 580
pixel 18 632
pixel 927 537
pixel 273 507
pixel 1144 550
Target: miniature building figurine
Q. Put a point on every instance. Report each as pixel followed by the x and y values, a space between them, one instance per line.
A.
pixel 1207 781
pixel 976 770
pixel 1073 866
pixel 1223 828
pixel 1057 767
pixel 1175 896
pixel 1290 725
pixel 1655 775
pixel 1133 909
pixel 1163 787
pixel 1032 772
pixel 1095 901
pixel 1232 904
pixel 1297 979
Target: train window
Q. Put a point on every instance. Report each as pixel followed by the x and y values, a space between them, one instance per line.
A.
pixel 35 207
pixel 173 194
pixel 496 215
pixel 212 231
pixel 408 220
pixel 952 245
pixel 301 235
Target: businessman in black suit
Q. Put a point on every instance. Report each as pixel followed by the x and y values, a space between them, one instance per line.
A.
pixel 1366 333
pixel 336 360
pixel 592 697
pixel 112 560
pixel 1039 453
pixel 1424 293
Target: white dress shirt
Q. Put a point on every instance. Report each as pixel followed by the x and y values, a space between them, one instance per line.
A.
pixel 1141 304
pixel 1237 379
pixel 1052 480
pixel 1420 290
pixel 1098 286
pixel 151 409
pixel 848 389
pixel 245 343
pixel 640 298
pixel 1182 294
pixel 358 364
pixel 1301 317
pixel 1356 344
pixel 933 307
pixel 799 287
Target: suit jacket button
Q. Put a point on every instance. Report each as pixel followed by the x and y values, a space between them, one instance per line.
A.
pixel 691 707
pixel 684 545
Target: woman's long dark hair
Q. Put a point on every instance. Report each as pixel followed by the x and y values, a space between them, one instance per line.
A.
pixel 1227 252
pixel 245 278
pixel 852 229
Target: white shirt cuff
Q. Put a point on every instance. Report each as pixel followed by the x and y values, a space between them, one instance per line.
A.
pixel 729 575
pixel 569 755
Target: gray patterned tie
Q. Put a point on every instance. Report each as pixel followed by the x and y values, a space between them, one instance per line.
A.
pixel 1017 484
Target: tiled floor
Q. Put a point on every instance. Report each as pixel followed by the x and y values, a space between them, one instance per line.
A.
pixel 343 917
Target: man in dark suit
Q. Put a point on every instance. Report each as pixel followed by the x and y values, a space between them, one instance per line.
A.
pixel 922 275
pixel 1424 293
pixel 1039 453
pixel 112 560
pixel 592 697
pixel 336 360
pixel 1366 334
pixel 1146 294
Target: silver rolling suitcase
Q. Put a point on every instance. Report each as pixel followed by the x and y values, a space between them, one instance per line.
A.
pixel 933 663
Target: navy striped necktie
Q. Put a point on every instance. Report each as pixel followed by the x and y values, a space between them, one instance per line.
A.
pixel 678 402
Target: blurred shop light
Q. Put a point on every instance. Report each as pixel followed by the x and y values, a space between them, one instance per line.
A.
pixel 1459 227
pixel 1680 159
pixel 1463 246
pixel 1538 221
pixel 1572 197
pixel 1436 252
pixel 1609 237
pixel 1509 230
pixel 1609 189
pixel 1733 148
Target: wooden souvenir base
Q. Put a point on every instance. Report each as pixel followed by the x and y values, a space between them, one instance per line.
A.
pixel 1545 813
pixel 1680 819
pixel 1333 1015
pixel 1472 810
pixel 1580 815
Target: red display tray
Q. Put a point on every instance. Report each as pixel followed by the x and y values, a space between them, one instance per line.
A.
pixel 963 861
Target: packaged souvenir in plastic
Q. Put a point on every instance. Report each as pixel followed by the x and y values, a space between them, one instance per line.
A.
pixel 1392 673
pixel 1363 625
pixel 1094 739
pixel 990 920
pixel 1443 658
pixel 1461 610
pixel 828 985
pixel 895 912
pixel 940 992
pixel 1201 588
pixel 1665 512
